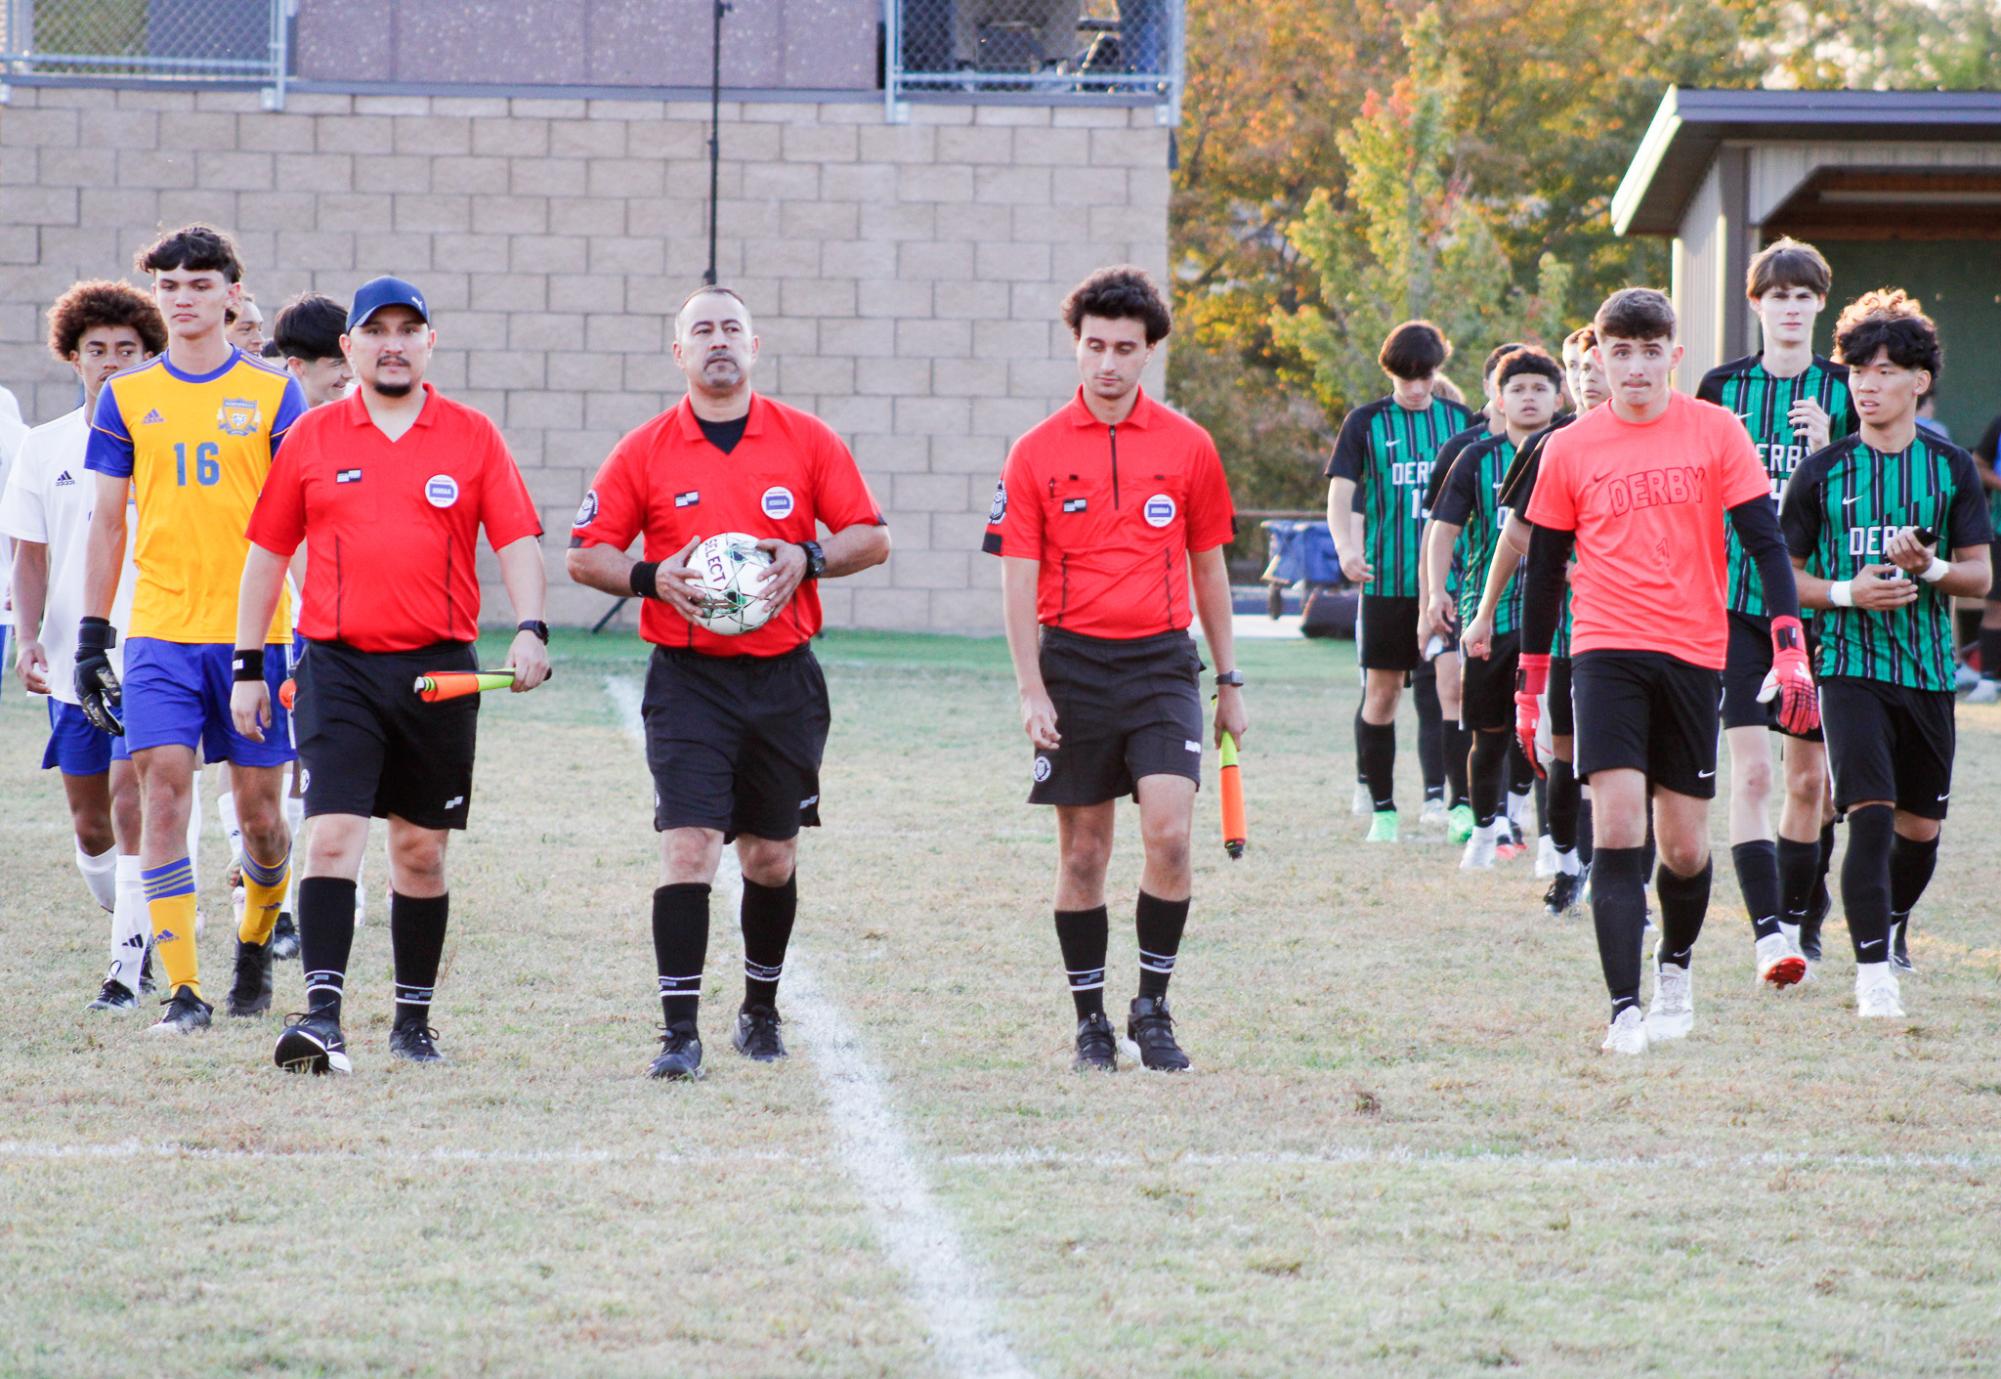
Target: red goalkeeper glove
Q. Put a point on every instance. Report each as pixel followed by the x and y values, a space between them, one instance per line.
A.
pixel 1789 681
pixel 1531 680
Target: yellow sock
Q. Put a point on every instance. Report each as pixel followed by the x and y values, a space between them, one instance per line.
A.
pixel 263 894
pixel 170 902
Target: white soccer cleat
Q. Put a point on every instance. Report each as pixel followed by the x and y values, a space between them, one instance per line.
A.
pixel 1365 803
pixel 1986 692
pixel 1779 962
pixel 1546 864
pixel 1672 1014
pixel 1879 999
pixel 1433 813
pixel 1481 849
pixel 1964 677
pixel 1627 1034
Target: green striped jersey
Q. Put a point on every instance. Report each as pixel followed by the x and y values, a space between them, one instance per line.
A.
pixel 1470 500
pixel 1842 507
pixel 1388 452
pixel 1763 403
pixel 1516 490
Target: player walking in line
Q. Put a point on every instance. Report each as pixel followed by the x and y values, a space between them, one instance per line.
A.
pixel 1383 456
pixel 735 725
pixel 1792 402
pixel 97 329
pixel 1638 488
pixel 388 489
pixel 1466 527
pixel 1987 453
pixel 1104 514
pixel 1864 520
pixel 192 434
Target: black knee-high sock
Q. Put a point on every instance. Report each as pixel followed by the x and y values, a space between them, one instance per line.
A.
pixel 1684 902
pixel 1541 788
pixel 1990 653
pixel 1377 745
pixel 1618 913
pixel 1820 900
pixel 1911 866
pixel 1797 863
pixel 1361 752
pixel 1458 747
pixel 1563 805
pixel 1160 925
pixel 1757 866
pixel 767 914
pixel 680 947
pixel 1865 881
pixel 1430 733
pixel 417 942
pixel 1490 761
pixel 1585 839
pixel 326 937
pixel 1083 935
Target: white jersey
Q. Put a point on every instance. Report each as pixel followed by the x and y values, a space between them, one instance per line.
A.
pixel 12 433
pixel 48 498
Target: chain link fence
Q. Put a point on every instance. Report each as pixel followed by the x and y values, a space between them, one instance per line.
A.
pixel 153 40
pixel 1105 47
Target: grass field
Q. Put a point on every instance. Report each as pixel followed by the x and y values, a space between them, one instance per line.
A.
pixel 1400 1154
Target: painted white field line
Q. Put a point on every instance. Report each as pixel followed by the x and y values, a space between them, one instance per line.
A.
pixel 918 1235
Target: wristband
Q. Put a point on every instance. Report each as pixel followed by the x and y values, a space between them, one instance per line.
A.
pixel 96 634
pixel 248 666
pixel 1841 593
pixel 1935 571
pixel 646 579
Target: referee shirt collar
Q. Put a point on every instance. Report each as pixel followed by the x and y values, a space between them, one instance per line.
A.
pixel 690 425
pixel 357 410
pixel 1141 415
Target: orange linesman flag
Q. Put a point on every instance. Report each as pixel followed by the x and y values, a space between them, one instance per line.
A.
pixel 1235 834
pixel 440 685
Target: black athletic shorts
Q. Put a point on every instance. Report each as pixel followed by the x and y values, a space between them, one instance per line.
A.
pixel 1487 693
pixel 1647 711
pixel 371 747
pixel 1562 723
pixel 1888 742
pixel 1386 634
pixel 1994 564
pixel 1747 662
pixel 1124 709
pixel 735 742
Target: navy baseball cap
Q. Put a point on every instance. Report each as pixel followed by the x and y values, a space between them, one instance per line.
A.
pixel 377 293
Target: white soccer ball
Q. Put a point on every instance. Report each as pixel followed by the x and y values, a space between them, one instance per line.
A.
pixel 733 572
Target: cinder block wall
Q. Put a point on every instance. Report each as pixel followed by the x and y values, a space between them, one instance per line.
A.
pixel 905 278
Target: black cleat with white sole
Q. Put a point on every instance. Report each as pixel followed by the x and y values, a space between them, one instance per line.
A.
pixel 250 994
pixel 312 1043
pixel 415 1042
pixel 285 938
pixel 1900 953
pixel 186 1013
pixel 756 1035
pixel 114 995
pixel 146 984
pixel 1563 894
pixel 680 1056
pixel 1097 1045
pixel 1151 1026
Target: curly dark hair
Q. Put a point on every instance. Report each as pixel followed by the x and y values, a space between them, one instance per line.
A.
pixel 1123 292
pixel 1527 359
pixel 88 305
pixel 1889 319
pixel 1415 349
pixel 192 248
pixel 1636 313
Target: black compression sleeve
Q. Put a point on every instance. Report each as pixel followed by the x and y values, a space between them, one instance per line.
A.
pixel 1758 530
pixel 1542 587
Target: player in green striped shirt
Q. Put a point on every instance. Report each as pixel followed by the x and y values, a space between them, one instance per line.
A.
pixel 1864 520
pixel 1792 402
pixel 1986 453
pixel 1383 458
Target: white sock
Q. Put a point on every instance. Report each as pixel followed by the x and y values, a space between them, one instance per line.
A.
pixel 131 924
pixel 225 810
pixel 1868 974
pixel 194 829
pixel 1566 861
pixel 100 874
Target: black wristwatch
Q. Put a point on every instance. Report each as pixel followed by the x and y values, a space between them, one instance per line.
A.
pixel 1230 677
pixel 816 559
pixel 540 629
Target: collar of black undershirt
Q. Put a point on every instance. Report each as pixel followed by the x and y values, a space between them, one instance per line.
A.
pixel 724 435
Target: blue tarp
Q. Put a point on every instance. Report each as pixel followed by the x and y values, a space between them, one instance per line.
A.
pixel 1301 550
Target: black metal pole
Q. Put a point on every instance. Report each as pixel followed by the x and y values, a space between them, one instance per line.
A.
pixel 715 130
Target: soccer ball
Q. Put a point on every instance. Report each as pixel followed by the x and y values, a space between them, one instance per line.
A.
pixel 733 574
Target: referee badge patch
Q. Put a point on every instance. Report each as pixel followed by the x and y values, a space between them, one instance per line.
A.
pixel 1159 510
pixel 347 476
pixel 587 511
pixel 999 508
pixel 441 490
pixel 681 500
pixel 1076 505
pixel 777 501
pixel 1042 768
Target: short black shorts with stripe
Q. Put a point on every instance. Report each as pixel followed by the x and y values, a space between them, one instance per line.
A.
pixel 1487 694
pixel 1386 634
pixel 1646 711
pixel 1124 710
pixel 1746 664
pixel 1889 742
pixel 371 747
pixel 735 742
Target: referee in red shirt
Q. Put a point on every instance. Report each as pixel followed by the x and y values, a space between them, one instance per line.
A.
pixel 735 726
pixel 388 488
pixel 1103 514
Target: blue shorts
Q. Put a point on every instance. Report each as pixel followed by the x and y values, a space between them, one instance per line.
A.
pixel 177 695
pixel 75 747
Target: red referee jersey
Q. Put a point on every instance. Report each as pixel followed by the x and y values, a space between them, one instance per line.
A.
pixel 1112 513
pixel 391 527
pixel 787 475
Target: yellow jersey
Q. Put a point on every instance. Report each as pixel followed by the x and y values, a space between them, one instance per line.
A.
pixel 196 448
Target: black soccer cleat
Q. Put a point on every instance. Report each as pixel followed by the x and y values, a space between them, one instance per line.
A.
pixel 1097 1045
pixel 756 1035
pixel 312 1043
pixel 415 1042
pixel 186 1013
pixel 114 995
pixel 147 986
pixel 1900 953
pixel 1151 1026
pixel 1562 896
pixel 680 1057
pixel 285 938
pixel 251 992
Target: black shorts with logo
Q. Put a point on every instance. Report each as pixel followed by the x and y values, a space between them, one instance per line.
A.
pixel 1646 711
pixel 1562 722
pixel 1124 709
pixel 1386 634
pixel 1746 664
pixel 1889 742
pixel 1487 695
pixel 371 747
pixel 735 742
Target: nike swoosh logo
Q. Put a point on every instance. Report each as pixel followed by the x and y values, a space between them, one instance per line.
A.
pixel 1872 943
pixel 1846 502
pixel 1704 775
pixel 1946 796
